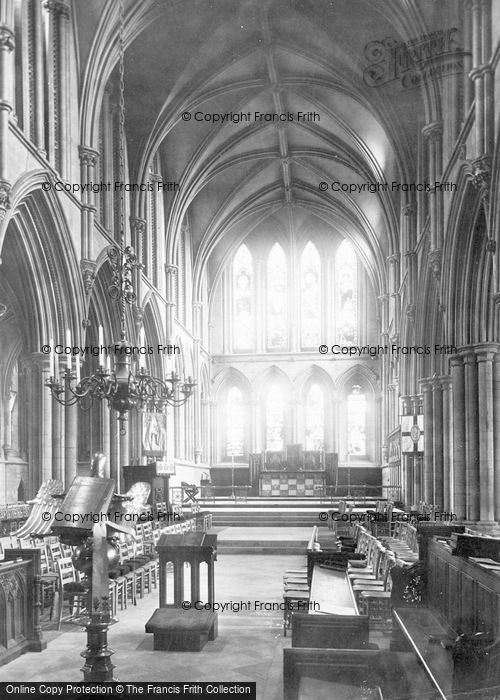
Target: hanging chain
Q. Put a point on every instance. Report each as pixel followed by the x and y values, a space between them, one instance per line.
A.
pixel 122 258
pixel 121 127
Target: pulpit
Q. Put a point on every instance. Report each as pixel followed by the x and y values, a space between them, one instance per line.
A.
pixel 186 623
pixel 157 474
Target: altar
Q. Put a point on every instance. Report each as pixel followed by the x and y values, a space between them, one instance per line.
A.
pixel 296 483
pixel 292 472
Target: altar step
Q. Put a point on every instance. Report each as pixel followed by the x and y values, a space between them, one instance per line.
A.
pixel 281 519
pixel 260 512
pixel 261 546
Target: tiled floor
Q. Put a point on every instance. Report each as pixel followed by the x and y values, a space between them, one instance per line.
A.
pixel 248 648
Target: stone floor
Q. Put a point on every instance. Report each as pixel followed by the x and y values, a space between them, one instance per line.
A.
pixel 248 648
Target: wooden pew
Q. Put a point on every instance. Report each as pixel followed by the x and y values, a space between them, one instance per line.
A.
pixel 330 631
pixel 454 624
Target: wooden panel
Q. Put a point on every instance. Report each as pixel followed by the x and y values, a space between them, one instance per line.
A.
pixel 464 594
pixel 19 604
pixel 330 631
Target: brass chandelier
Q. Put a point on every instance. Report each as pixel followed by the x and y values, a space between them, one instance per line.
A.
pixel 119 385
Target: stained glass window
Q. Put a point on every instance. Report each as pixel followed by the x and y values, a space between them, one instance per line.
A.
pixel 315 418
pixel 235 422
pixel 275 419
pixel 243 323
pixel 310 299
pixel 346 305
pixel 356 422
pixel 277 336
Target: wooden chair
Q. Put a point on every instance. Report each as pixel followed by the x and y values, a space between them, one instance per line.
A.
pixel 70 590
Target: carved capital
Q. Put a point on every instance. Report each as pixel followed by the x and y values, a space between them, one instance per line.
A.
pixel 171 269
pixel 410 255
pixel 137 226
pixel 393 259
pixel 5 190
pixel 433 131
pixel 479 174
pixel 435 263
pixel 88 273
pixel 7 41
pixel 410 312
pixel 57 7
pixel 88 156
pixel 491 245
pixel 409 209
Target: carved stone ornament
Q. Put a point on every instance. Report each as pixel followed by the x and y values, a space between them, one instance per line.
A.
pixel 433 131
pixel 10 584
pixel 7 41
pixel 138 226
pixel 138 312
pixel 491 245
pixel 5 190
pixel 479 173
pixel 58 7
pixel 410 312
pixel 88 156
pixel 435 263
pixel 88 274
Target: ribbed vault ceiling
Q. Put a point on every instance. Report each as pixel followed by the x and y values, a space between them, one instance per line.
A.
pixel 274 56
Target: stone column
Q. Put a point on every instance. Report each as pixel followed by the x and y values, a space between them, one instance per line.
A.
pixel 384 373
pixel 171 271
pixel 496 408
pixel 6 82
pixel 467 60
pixel 447 446
pixel 57 84
pixel 433 133
pixel 485 356
pixel 105 437
pixel 459 443
pixel 44 417
pixel 88 161
pixel 476 75
pixel 196 398
pixel 471 436
pixel 38 78
pixel 138 232
pixel 437 442
pixel 124 455
pixel 488 77
pixel 114 448
pixel 428 476
pixel 70 443
pixel 57 441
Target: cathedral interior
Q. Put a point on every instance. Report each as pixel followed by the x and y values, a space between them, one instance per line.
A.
pixel 249 252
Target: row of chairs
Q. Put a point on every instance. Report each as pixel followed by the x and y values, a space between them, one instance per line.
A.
pixel 370 579
pixel 135 575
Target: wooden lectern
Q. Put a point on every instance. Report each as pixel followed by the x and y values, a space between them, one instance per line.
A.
pixel 185 624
